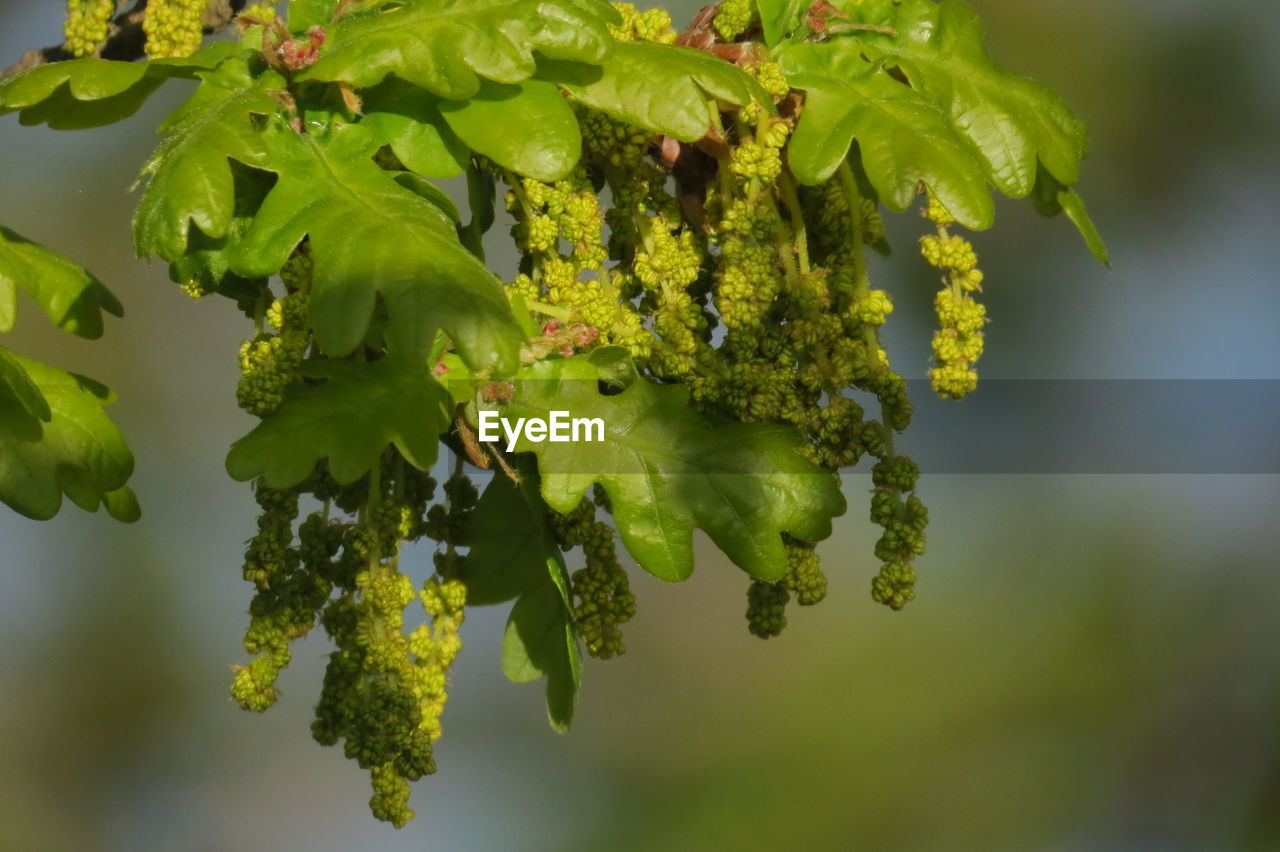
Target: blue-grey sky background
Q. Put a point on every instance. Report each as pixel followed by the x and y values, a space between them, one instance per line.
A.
pixel 1093 661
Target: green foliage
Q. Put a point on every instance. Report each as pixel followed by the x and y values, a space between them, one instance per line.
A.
pixel 349 419
pixel 661 88
pixel 370 236
pixel 904 138
pixel 514 557
pixel 549 147
pixel 190 173
pixel 408 119
pixel 71 297
pixel 84 93
pixel 446 48
pixel 668 470
pixel 55 439
pixel 1010 120
pixel 693 223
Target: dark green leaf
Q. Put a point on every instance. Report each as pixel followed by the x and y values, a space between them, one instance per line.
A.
pixel 534 646
pixel 514 555
pixel 527 127
pixel 78 451
pixel 72 298
pixel 369 236
pixel 669 470
pixel 481 194
pixel 903 138
pixel 349 420
pixel 509 547
pixel 446 47
pixel 662 88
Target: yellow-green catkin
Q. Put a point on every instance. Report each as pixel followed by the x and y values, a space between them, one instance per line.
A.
pixel 733 18
pixel 958 343
pixel 86 26
pixel 650 25
pixel 173 27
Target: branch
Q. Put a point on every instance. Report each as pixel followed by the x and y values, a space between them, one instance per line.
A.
pixel 126 41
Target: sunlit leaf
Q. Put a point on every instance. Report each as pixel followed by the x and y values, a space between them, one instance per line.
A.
pixel 447 47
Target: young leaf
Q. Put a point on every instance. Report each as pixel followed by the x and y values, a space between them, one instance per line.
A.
pixel 447 47
pixel 549 143
pixel 661 88
pixel 82 93
pixel 514 555
pixel 349 420
pixel 78 451
pixel 1009 119
pixel 903 138
pixel 370 235
pixel 669 470
pixel 73 299
pixel 191 178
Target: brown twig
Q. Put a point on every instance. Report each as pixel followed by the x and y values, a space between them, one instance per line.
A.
pixel 125 39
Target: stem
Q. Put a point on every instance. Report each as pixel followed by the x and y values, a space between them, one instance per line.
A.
pixel 853 198
pixel 868 28
pixel 550 310
pixel 449 568
pixel 787 188
pixel 862 283
pixel 370 505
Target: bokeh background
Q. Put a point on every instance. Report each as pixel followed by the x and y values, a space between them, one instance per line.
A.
pixel 1093 662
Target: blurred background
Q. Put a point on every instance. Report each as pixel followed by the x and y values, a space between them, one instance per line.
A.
pixel 1093 661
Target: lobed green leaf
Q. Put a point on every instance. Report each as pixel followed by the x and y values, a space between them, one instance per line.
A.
pixel 76 450
pixel 903 138
pixel 408 119
pixel 349 420
pixel 81 93
pixel 1009 120
pixel 371 236
pixel 661 88
pixel 446 47
pixel 669 470
pixel 71 297
pixel 515 556
pixel 548 142
pixel 191 181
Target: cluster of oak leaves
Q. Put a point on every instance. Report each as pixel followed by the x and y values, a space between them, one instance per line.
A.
pixel 732 279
